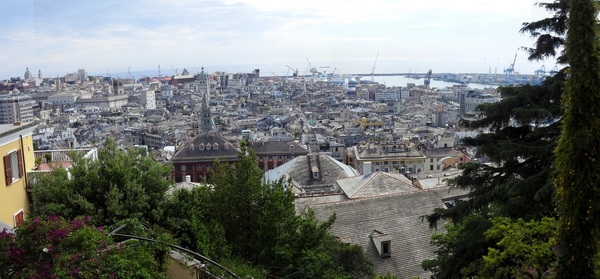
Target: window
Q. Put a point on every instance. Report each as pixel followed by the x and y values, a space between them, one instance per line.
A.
pixel 13 166
pixel 19 217
pixel 385 249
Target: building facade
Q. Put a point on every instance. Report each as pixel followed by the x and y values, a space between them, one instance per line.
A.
pixel 16 148
pixel 386 157
pixel 16 107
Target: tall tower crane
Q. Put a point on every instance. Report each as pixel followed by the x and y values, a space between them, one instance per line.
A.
pixel 374 64
pixel 294 72
pixel 130 75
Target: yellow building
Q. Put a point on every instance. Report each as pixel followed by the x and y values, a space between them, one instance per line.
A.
pixel 16 148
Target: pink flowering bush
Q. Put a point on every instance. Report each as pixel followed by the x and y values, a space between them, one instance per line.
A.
pixel 58 248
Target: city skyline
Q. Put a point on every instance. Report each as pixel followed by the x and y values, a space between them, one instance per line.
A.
pixel 468 36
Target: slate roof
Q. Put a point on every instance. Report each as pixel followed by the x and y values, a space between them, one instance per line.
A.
pixel 277 147
pixel 375 184
pixel 377 151
pixel 193 153
pixel 300 169
pixel 397 215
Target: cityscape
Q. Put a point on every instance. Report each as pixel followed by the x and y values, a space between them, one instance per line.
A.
pixel 399 149
pixel 344 129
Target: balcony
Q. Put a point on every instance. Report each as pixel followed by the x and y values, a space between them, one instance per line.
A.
pixel 58 158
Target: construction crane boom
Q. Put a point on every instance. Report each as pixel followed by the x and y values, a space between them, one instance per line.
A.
pixel 313 70
pixel 374 64
pixel 294 72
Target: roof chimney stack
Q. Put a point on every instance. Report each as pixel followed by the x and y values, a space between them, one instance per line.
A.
pixel 366 168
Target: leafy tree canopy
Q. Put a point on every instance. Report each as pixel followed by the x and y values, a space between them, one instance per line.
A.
pixel 238 218
pixel 117 185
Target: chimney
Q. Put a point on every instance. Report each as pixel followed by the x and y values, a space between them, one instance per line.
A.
pixel 366 168
pixel 188 178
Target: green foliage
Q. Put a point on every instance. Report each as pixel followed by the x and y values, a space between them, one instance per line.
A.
pixel 512 174
pixel 387 276
pixel 241 220
pixel 577 177
pixel 549 32
pixel 524 249
pixel 57 248
pixel 459 246
pixel 116 186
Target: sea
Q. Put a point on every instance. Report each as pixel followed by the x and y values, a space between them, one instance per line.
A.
pixel 341 67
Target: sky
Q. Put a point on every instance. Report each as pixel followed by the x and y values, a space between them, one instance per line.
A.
pixel 463 36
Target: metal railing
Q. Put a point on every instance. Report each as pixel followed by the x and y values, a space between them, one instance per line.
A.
pixel 56 156
pixel 62 155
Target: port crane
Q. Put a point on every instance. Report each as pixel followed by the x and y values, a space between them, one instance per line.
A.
pixel 541 71
pixel 511 67
pixel 294 72
pixel 427 79
pixel 129 75
pixel 374 64
pixel 313 70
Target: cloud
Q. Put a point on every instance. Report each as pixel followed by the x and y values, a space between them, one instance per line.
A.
pixel 62 36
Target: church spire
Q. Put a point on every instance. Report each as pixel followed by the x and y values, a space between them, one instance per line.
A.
pixel 206 122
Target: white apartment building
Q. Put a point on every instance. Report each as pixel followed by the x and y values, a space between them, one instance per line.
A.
pixel 16 107
pixel 148 99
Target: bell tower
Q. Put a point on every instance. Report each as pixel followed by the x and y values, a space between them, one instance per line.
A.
pixel 206 122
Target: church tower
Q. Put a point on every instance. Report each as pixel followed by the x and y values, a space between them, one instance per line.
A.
pixel 203 83
pixel 58 84
pixel 118 87
pixel 206 121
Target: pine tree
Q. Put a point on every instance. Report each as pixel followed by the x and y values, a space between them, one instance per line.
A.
pixel 511 176
pixel 578 150
pixel 549 33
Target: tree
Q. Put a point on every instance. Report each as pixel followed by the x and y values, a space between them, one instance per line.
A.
pixel 115 186
pixel 512 172
pixel 58 248
pixel 240 219
pixel 549 32
pixel 578 150
pixel 461 244
pixel 524 250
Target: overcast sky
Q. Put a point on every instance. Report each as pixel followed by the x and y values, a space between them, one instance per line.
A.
pixel 60 37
